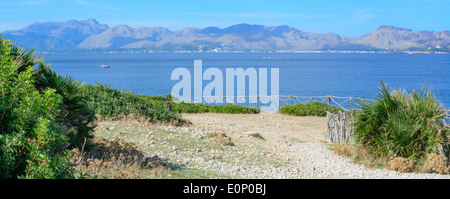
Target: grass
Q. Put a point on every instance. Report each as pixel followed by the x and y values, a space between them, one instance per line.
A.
pixel 150 140
pixel 257 135
pixel 197 174
pixel 359 155
pixel 308 109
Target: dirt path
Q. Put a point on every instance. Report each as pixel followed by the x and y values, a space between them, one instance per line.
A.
pixel 274 127
pixel 298 140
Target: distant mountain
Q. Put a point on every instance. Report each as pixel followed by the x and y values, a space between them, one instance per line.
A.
pixel 55 35
pixel 237 37
pixel 389 37
pixel 90 35
pixel 123 35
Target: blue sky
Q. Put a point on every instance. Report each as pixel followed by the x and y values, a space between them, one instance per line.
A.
pixel 344 17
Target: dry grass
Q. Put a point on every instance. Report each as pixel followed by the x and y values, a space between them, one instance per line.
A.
pixel 401 164
pixel 221 138
pixel 132 118
pixel 436 163
pixel 360 155
pixel 117 159
pixel 342 149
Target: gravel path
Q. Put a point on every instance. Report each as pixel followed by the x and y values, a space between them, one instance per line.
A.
pixel 294 140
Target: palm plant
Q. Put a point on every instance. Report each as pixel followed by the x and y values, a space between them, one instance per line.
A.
pixel 402 124
pixel 23 57
pixel 75 114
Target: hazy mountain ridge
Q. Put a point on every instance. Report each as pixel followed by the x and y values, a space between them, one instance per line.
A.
pixel 91 35
pixel 55 35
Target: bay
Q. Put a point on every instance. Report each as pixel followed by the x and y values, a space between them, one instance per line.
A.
pixel 301 74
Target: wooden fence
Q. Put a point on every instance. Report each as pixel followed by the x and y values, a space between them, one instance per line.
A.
pixel 346 103
pixel 339 127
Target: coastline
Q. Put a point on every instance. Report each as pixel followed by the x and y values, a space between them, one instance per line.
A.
pixel 242 51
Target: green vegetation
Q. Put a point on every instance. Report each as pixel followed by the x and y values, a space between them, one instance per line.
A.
pixel 401 124
pixel 31 137
pixel 75 115
pixel 183 107
pixel 257 135
pixel 110 103
pixel 308 109
pixel 43 115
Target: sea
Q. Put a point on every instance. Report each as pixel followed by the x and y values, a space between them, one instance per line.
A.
pixel 300 74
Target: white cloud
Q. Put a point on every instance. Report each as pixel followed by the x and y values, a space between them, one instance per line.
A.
pixel 364 14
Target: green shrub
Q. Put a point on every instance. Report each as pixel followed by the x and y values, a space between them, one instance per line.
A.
pixel 183 107
pixel 31 139
pixel 75 115
pixel 308 109
pixel 233 109
pixel 110 103
pixel 408 125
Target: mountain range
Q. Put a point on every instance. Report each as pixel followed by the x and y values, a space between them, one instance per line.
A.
pixel 91 35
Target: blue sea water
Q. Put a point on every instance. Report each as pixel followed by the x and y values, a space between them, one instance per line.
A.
pixel 301 74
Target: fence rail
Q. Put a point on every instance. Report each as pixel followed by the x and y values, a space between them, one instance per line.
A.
pixel 346 103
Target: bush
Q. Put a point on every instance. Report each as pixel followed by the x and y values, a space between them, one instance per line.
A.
pixel 31 139
pixel 233 109
pixel 183 107
pixel 75 115
pixel 110 103
pixel 308 109
pixel 408 125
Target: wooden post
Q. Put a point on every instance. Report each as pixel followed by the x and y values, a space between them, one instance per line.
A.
pixel 257 101
pixel 168 106
pixel 338 127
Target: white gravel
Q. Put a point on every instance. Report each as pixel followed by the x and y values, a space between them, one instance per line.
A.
pixel 303 160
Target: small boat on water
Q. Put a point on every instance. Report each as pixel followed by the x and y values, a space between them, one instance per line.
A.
pixel 105 66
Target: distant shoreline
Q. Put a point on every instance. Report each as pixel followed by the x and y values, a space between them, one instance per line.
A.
pixel 311 51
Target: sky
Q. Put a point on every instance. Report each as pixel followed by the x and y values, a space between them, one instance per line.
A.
pixel 343 17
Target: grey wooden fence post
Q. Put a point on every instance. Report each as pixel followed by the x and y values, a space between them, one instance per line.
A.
pixel 339 127
pixel 168 106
